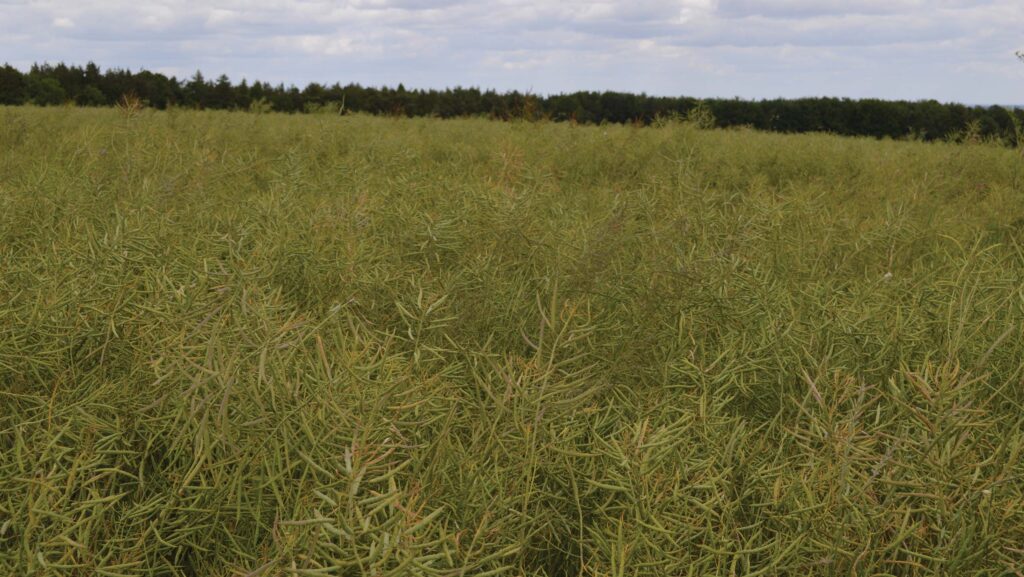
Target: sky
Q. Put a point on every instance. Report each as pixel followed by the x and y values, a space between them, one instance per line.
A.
pixel 949 50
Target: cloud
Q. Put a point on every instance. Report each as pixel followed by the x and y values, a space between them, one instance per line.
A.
pixel 800 9
pixel 946 49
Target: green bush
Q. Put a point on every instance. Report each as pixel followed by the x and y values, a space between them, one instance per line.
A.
pixel 46 92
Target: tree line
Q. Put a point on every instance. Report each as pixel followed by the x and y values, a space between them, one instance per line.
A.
pixel 48 85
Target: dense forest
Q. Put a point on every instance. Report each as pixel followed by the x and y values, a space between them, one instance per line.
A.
pixel 47 85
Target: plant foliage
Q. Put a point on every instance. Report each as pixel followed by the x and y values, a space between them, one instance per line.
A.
pixel 236 344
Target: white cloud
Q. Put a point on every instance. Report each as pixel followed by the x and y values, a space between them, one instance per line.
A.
pixel 946 49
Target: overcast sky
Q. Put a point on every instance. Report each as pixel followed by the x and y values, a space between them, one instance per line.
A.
pixel 950 50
